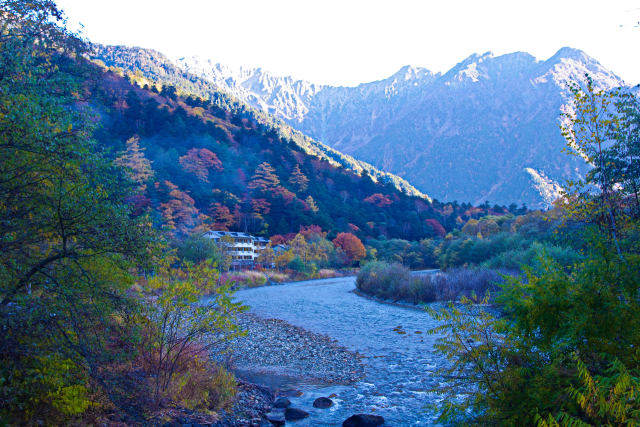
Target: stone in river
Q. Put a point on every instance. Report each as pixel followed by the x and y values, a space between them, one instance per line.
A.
pixel 363 420
pixel 294 414
pixel 282 402
pixel 322 403
pixel 275 418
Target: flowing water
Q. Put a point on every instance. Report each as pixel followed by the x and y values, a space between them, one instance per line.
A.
pixel 399 356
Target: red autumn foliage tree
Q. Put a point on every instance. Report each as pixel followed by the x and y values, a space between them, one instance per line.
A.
pixel 311 231
pixel 222 217
pixel 179 212
pixel 277 239
pixel 438 229
pixel 351 245
pixel 379 200
pixel 286 195
pixel 199 162
pixel 260 206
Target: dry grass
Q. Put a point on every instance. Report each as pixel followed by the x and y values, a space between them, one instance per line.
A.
pixel 250 279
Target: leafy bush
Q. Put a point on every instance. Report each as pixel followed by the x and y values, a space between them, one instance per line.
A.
pixel 197 248
pixel 200 385
pixel 514 259
pixel 182 326
pixel 561 352
pixel 296 264
pixel 474 250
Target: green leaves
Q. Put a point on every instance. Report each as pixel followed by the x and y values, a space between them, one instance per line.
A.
pixel 190 314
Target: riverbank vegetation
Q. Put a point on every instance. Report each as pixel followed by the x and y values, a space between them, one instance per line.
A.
pixel 395 282
pixel 99 323
pixel 564 349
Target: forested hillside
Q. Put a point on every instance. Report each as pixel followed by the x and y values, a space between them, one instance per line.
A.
pixel 202 164
pixel 150 64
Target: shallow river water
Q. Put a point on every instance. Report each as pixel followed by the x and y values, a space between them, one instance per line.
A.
pixel 399 366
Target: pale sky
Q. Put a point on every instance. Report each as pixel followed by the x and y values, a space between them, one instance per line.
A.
pixel 346 42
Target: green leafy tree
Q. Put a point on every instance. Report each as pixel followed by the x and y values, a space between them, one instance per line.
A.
pixel 563 349
pixel 180 320
pixel 67 243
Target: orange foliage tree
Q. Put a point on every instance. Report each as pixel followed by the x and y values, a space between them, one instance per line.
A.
pixel 264 178
pixel 179 212
pixel 222 217
pixel 379 200
pixel 298 180
pixel 199 162
pixel 351 245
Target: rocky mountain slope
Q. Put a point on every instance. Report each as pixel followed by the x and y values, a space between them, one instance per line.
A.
pixel 485 130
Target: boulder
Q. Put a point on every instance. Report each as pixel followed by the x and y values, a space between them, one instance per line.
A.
pixel 275 418
pixel 322 403
pixel 281 403
pixel 363 420
pixel 294 414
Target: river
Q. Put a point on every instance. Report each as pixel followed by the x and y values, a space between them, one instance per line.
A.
pixel 399 356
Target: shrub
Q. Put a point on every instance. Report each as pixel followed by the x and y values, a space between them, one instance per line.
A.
pixel 514 259
pixel 200 385
pixel 296 264
pixel 394 281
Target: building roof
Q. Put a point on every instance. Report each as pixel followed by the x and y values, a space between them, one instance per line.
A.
pixel 216 234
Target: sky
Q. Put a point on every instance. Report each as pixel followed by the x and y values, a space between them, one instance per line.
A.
pixel 346 42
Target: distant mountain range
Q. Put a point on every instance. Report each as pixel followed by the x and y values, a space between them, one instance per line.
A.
pixel 488 129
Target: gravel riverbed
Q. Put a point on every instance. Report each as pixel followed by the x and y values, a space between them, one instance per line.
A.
pixel 273 346
pixel 281 355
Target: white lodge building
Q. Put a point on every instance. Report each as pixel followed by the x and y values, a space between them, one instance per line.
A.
pixel 244 249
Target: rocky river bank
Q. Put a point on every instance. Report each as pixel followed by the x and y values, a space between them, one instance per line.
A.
pixel 279 355
pixel 275 347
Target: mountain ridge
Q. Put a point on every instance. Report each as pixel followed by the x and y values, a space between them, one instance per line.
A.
pixel 414 123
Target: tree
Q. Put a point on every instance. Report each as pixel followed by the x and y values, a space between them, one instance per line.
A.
pixel 299 247
pixel 626 148
pixel 267 256
pixel 560 350
pixel 437 228
pixel 222 217
pixel 284 259
pixel 264 178
pixel 196 248
pixel 351 245
pixel 67 242
pixel 379 200
pixel 312 204
pixel 199 162
pixel 136 165
pixel 182 325
pixel 179 211
pixel 587 127
pixel 298 180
